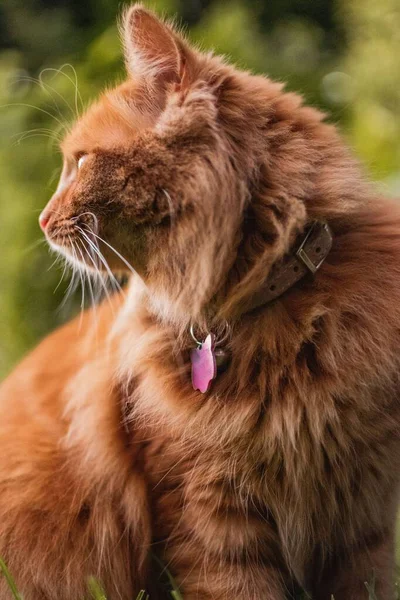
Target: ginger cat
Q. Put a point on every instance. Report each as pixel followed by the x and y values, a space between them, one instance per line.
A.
pixel 285 472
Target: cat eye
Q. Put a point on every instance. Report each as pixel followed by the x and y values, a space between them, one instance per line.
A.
pixel 81 160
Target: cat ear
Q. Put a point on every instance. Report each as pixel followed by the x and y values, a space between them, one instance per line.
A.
pixel 152 51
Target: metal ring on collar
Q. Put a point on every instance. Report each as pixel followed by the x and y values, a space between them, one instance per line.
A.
pixel 218 342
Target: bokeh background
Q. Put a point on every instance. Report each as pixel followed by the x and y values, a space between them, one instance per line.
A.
pixel 342 55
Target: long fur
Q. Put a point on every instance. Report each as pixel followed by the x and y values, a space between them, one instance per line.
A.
pixel 286 473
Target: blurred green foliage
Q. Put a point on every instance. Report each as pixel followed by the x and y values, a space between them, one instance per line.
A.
pixel 342 55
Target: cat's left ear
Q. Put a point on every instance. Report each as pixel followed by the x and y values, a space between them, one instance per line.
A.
pixel 153 52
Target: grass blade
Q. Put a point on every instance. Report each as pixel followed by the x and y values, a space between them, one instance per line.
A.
pixel 10 580
pixel 371 591
pixel 175 593
pixel 96 590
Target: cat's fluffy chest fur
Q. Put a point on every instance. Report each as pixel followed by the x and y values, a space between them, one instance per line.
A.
pixel 290 458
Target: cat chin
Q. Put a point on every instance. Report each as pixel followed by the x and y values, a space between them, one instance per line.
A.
pixel 72 260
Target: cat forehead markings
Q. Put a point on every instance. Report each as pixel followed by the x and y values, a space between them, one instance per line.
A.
pixel 108 123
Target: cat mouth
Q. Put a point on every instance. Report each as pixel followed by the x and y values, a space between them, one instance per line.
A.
pixel 77 239
pixel 72 245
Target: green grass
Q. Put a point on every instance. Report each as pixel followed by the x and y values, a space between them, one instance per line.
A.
pixel 95 589
pixel 10 581
pixel 97 593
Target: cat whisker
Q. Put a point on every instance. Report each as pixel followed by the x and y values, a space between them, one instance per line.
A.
pixel 45 85
pixel 43 130
pixel 126 263
pixel 80 274
pixel 53 176
pixel 95 276
pixel 62 274
pixel 74 83
pixel 47 89
pixel 26 137
pixel 51 134
pixel 42 110
pixel 34 245
pixel 97 251
pixel 90 286
pixel 72 285
pixel 91 214
pixel 53 263
pixel 79 271
pixel 97 271
pixel 59 258
pixel 88 279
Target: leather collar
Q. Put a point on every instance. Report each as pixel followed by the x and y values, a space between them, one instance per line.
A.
pixel 310 254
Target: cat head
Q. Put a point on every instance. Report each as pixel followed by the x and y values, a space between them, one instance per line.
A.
pixel 192 173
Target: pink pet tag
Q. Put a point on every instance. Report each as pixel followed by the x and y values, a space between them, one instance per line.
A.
pixel 204 367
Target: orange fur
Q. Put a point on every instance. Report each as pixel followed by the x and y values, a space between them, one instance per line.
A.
pixel 286 473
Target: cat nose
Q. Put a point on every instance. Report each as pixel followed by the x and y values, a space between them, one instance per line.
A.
pixel 43 220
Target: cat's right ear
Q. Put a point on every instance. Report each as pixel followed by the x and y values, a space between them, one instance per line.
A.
pixel 153 52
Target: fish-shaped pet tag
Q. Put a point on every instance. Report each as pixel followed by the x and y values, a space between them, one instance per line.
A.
pixel 204 367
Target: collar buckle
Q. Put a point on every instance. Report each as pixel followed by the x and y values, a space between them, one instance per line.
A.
pixel 301 253
pixel 308 258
